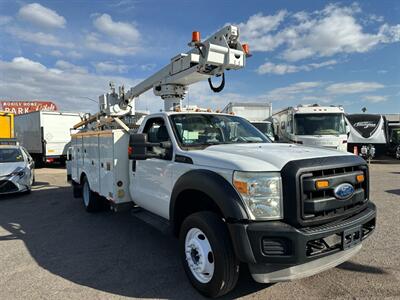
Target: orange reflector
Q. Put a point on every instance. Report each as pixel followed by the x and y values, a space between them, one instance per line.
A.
pixel 232 113
pixel 241 186
pixel 208 109
pixel 321 184
pixel 217 111
pixel 360 178
pixel 246 48
pixel 195 36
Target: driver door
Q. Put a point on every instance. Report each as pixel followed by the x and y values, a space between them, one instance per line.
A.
pixel 151 179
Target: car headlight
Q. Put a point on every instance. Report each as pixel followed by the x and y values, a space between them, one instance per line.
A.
pixel 261 192
pixel 18 172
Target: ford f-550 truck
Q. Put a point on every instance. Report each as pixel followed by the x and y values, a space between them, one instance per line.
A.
pixel 220 185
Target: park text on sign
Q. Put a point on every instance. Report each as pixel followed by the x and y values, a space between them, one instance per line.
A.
pixel 24 107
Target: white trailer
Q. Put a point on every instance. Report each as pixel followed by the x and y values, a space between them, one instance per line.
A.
pixel 46 135
pixel 312 125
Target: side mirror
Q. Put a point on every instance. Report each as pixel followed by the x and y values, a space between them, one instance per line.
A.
pixel 137 149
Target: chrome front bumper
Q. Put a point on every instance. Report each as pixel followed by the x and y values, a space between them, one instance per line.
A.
pixel 268 273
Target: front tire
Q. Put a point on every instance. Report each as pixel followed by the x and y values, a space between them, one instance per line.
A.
pixel 90 201
pixel 207 254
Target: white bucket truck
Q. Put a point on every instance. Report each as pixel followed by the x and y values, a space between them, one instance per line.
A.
pixel 312 125
pixel 228 193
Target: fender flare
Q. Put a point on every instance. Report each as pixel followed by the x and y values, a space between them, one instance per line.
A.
pixel 214 186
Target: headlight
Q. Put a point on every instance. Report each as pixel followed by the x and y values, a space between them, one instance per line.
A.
pixel 261 192
pixel 18 172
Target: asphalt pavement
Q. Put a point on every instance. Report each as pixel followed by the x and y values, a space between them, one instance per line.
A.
pixel 50 248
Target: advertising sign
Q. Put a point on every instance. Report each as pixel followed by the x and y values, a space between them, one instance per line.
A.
pixel 23 107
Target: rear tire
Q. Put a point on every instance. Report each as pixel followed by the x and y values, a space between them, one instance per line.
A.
pixel 76 190
pixel 207 254
pixel 91 201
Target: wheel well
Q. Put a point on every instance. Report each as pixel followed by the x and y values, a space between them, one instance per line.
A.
pixel 189 202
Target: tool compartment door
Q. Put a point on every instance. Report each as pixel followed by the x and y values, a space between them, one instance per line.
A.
pixel 106 147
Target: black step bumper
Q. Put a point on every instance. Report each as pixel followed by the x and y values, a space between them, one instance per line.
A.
pixel 275 242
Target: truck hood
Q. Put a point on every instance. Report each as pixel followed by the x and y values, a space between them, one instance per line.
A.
pixel 8 168
pixel 257 157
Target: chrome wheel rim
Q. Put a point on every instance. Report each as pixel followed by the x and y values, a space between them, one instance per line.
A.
pixel 199 255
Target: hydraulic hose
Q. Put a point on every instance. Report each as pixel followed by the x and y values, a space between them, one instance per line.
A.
pixel 220 87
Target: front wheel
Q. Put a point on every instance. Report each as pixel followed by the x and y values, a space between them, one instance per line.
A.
pixel 207 254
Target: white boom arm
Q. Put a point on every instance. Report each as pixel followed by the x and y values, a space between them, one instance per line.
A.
pixel 222 51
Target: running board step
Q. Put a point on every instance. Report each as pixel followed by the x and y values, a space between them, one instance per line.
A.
pixel 151 219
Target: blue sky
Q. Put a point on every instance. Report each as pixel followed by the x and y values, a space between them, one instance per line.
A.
pixel 303 51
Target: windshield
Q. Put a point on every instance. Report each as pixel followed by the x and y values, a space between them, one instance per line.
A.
pixel 396 136
pixel 197 130
pixel 265 128
pixel 10 155
pixel 319 124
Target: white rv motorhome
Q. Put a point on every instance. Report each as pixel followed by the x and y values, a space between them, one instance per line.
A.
pixel 312 125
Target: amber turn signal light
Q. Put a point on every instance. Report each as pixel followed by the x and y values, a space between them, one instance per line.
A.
pixel 240 186
pixel 321 184
pixel 360 178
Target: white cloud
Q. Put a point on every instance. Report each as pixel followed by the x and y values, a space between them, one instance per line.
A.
pixel 333 30
pixel 116 38
pixel 353 87
pixel 40 38
pixel 289 92
pixel 67 66
pixel 42 16
pixel 95 43
pixel 56 53
pixel 122 30
pixel 71 54
pixel 5 20
pixel 147 67
pixel 375 98
pixel 27 79
pixel 74 54
pixel 281 69
pixel 110 67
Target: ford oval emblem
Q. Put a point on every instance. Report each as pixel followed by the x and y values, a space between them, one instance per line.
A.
pixel 343 191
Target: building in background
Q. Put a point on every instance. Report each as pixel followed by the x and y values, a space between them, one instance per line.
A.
pixel 24 107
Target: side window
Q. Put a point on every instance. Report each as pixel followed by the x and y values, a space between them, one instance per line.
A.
pixel 156 133
pixel 289 127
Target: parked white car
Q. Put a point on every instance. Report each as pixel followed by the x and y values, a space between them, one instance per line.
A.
pixel 16 169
